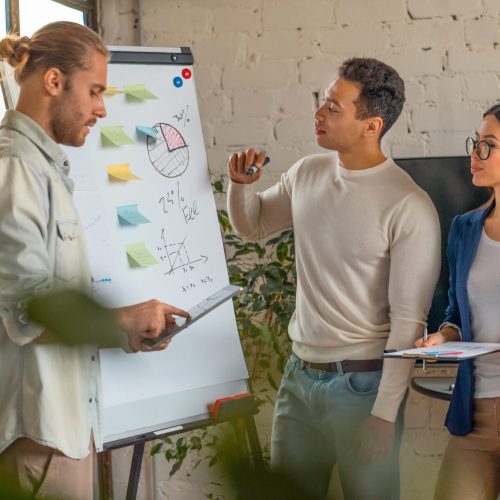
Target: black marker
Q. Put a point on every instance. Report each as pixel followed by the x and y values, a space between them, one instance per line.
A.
pixel 251 170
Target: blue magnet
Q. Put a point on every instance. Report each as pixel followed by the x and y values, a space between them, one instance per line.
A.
pixel 178 81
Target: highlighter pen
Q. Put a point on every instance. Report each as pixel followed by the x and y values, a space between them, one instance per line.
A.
pixel 251 170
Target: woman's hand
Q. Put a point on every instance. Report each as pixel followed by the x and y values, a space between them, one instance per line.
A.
pixel 446 334
pixel 432 339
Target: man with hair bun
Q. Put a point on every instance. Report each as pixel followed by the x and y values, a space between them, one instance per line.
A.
pixel 50 415
pixel 367 244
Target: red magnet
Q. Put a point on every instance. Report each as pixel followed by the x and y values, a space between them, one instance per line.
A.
pixel 186 73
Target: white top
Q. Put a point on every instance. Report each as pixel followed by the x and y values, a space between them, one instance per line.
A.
pixel 483 290
pixel 367 255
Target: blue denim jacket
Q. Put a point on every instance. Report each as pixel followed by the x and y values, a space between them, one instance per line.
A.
pixel 463 241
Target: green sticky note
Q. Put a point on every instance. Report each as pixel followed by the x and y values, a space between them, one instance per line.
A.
pixel 138 91
pixel 129 215
pixel 114 135
pixel 139 256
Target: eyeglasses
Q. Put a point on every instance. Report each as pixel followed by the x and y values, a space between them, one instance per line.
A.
pixel 483 148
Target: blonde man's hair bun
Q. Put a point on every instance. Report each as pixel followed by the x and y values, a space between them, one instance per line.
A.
pixel 16 51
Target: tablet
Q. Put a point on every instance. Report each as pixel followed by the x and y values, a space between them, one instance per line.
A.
pixel 195 313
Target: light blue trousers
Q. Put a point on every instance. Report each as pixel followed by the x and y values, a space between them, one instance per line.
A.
pixel 316 418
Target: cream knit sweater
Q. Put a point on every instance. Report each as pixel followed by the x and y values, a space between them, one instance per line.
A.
pixel 367 256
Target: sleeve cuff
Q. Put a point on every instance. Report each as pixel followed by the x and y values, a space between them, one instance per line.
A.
pixel 447 323
pixel 125 344
pixel 385 411
pixel 238 185
pixel 19 329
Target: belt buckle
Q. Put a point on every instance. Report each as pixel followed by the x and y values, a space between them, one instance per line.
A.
pixel 327 367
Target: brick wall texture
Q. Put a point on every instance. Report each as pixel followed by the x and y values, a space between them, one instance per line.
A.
pixel 262 65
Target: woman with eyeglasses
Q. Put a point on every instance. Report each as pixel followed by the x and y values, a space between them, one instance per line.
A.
pixel 471 463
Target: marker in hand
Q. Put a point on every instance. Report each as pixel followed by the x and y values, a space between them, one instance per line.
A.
pixel 251 170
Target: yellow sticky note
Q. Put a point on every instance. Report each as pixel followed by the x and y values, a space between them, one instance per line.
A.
pixel 139 256
pixel 114 135
pixel 121 172
pixel 138 91
pixel 112 90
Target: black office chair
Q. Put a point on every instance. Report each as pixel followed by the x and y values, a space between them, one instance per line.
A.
pixel 447 180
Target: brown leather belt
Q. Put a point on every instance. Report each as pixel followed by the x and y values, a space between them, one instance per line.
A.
pixel 348 365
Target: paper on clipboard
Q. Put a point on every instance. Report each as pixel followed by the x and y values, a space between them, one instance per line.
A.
pixel 449 351
pixel 195 313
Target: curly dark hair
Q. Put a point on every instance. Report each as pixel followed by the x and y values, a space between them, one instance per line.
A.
pixel 382 89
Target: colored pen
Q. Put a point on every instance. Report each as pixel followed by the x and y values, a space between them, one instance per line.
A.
pixel 251 170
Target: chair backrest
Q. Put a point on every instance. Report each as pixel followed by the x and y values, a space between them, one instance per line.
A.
pixel 447 180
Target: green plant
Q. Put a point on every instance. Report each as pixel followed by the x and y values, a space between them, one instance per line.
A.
pixel 266 271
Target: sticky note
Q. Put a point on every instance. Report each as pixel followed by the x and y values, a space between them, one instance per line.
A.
pixel 129 215
pixel 150 131
pixel 121 172
pixel 138 91
pixel 112 90
pixel 139 256
pixel 115 136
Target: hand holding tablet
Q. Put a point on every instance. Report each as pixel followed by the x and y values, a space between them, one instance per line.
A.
pixel 195 313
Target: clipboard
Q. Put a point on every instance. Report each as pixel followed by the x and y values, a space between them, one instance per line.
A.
pixel 449 351
pixel 195 313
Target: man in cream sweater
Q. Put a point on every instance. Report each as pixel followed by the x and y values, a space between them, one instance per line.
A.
pixel 368 257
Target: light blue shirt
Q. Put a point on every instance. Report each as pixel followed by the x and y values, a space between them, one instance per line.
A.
pixel 48 392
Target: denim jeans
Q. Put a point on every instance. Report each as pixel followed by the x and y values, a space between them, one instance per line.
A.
pixel 316 418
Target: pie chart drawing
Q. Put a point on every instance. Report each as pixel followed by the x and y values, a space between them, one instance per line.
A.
pixel 168 153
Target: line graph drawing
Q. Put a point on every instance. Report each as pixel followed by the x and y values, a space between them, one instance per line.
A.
pixel 176 256
pixel 95 227
pixel 168 152
pixel 89 225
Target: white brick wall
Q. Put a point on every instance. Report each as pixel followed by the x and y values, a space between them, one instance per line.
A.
pixel 482 87
pixel 294 14
pixel 276 74
pixel 374 11
pixel 482 32
pixel 283 44
pixel 485 60
pixel 492 7
pixel 259 64
pixel 351 40
pixel 251 103
pixel 265 59
pixel 443 8
pixel 426 33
